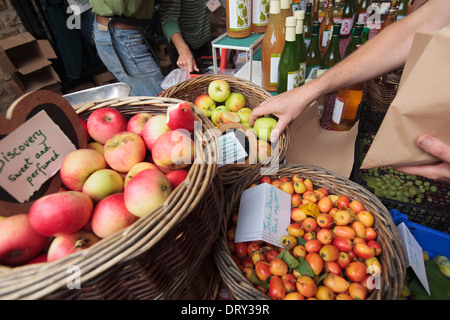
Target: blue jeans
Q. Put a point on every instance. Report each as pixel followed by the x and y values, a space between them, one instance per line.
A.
pixel 136 65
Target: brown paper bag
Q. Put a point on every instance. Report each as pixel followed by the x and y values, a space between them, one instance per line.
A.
pixel 310 144
pixel 421 106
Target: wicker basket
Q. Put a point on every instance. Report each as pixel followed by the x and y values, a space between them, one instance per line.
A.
pixel 189 89
pixel 391 258
pixel 164 255
pixel 380 92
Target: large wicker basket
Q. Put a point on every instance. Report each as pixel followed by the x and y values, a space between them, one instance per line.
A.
pixel 164 255
pixel 381 91
pixel 392 257
pixel 189 89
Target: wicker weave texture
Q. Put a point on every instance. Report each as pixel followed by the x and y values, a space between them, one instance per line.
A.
pixel 391 258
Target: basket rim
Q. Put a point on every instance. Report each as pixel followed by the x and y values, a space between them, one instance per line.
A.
pixel 125 244
pixel 230 272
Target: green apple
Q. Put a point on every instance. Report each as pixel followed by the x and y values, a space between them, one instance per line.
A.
pixel 264 126
pixel 444 266
pixel 218 110
pixel 219 90
pixel 205 103
pixel 244 114
pixel 103 183
pixel 235 101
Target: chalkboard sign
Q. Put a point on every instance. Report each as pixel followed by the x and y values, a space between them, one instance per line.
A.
pixel 39 129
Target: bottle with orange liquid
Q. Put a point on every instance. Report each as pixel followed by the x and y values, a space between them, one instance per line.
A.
pixel 238 15
pixel 271 48
pixel 285 11
pixel 260 15
pixel 326 27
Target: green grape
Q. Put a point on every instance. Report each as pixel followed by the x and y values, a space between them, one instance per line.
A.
pixel 433 188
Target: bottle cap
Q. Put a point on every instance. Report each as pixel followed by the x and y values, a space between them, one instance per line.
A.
pixel 291 21
pixel 299 14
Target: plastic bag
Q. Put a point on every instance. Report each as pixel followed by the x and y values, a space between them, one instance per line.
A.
pixel 174 77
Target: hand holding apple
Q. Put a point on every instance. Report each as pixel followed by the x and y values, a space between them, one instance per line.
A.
pixel 264 126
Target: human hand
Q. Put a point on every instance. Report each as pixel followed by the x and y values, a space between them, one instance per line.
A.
pixel 286 107
pixel 186 60
pixel 439 171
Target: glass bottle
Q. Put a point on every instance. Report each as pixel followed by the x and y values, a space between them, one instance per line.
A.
pixel 337 11
pixel 238 15
pixel 301 47
pixel 307 25
pixel 315 11
pixel 355 40
pixel 390 19
pixel 289 61
pixel 402 9
pixel 313 57
pixel 325 29
pixel 348 16
pixel 321 10
pixel 285 11
pixel 362 14
pixel 346 107
pixel 271 48
pixel 260 15
pixel 332 55
pixel 365 35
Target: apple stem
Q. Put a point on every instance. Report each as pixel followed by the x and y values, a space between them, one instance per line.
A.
pixel 81 243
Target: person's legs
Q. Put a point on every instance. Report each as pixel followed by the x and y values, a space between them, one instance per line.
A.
pixel 128 58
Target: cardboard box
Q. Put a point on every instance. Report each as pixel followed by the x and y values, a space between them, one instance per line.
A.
pixel 42 79
pixel 24 54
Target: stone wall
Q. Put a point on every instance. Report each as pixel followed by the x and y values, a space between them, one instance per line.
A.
pixel 10 24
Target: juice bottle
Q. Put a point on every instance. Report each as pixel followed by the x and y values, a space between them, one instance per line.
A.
pixel 337 11
pixel 285 11
pixel 321 10
pixel 238 15
pixel 289 62
pixel 362 14
pixel 260 15
pixel 271 48
pixel 301 46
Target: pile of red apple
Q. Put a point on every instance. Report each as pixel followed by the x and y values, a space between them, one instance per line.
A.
pixel 224 106
pixel 330 251
pixel 129 168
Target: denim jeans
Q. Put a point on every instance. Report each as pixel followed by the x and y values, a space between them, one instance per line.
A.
pixel 128 58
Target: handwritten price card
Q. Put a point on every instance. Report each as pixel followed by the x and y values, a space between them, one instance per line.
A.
pixel 264 214
pixel 32 154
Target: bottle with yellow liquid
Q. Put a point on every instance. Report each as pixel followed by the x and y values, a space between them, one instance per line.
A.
pixel 271 48
pixel 238 16
pixel 301 46
pixel 260 15
pixel 326 27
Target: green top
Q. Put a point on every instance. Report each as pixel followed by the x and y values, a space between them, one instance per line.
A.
pixel 139 9
pixel 190 18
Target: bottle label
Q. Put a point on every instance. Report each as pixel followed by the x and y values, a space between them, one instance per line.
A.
pixel 325 37
pixel 260 13
pixel 292 80
pixel 302 73
pixel 400 17
pixel 311 72
pixel 239 13
pixel 274 63
pixel 337 111
pixel 346 27
pixel 362 17
pixel 307 42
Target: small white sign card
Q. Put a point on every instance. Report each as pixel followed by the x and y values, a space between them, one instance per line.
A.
pixel 231 149
pixel 414 255
pixel 32 154
pixel 264 214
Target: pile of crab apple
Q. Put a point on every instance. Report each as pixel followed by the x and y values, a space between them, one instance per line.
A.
pixel 330 251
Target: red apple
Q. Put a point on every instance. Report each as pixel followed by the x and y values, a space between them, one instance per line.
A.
pixel 138 167
pixel 264 150
pixel 137 122
pixel 176 177
pixel 60 213
pixel 86 132
pixel 78 165
pixel 205 103
pixel 173 150
pixel 111 215
pixel 123 150
pixel 146 191
pixel 181 116
pixel 154 127
pixel 19 242
pixel 38 259
pixel 103 123
pixel 66 244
